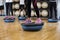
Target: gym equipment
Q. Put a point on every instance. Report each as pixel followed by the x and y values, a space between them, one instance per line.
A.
pixel 44 5
pixel 22 18
pixel 32 13
pixel 17 13
pixel 32 26
pixel 8 19
pixel 39 4
pixel 52 20
pixel 16 6
pixel 44 13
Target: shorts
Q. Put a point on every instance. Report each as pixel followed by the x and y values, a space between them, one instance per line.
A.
pixel 21 6
pixel 1 7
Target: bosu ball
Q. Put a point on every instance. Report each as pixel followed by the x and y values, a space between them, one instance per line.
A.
pixel 6 19
pixel 21 18
pixel 32 26
pixel 52 20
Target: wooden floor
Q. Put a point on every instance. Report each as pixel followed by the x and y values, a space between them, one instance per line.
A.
pixel 14 31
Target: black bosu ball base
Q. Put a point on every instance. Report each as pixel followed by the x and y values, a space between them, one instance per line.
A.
pixel 32 26
pixel 52 20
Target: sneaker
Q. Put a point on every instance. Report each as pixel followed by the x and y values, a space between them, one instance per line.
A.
pixel 27 21
pixel 6 17
pixel 38 21
pixel 12 17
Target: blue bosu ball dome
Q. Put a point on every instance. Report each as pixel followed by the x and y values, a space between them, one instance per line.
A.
pixel 32 27
pixel 52 20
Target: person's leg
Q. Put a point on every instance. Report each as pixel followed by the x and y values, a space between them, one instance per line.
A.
pixel 2 7
pixel 36 8
pixel 28 7
pixel 51 10
pixel 0 10
pixel 55 10
pixel 38 20
pixel 7 9
pixel 11 10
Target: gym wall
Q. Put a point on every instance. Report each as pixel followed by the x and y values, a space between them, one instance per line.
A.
pixel 43 6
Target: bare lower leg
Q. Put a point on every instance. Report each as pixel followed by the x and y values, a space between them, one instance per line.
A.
pixel 0 12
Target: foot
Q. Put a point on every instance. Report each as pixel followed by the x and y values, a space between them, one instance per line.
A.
pixel 7 17
pixel 54 18
pixel 12 17
pixel 38 21
pixel 27 21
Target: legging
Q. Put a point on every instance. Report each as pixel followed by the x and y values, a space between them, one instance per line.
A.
pixel 9 9
pixel 28 6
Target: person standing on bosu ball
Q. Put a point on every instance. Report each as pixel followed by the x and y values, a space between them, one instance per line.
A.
pixel 9 10
pixel 28 6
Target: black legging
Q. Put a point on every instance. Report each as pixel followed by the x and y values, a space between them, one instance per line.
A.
pixel 28 6
pixel 9 9
pixel 53 8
